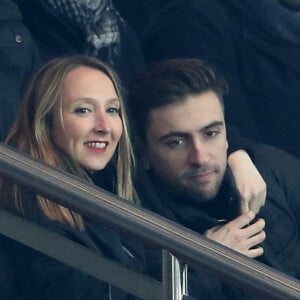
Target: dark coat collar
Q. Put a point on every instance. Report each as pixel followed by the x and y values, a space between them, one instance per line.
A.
pixel 156 197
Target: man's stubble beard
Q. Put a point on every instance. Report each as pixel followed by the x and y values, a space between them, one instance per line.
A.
pixel 188 193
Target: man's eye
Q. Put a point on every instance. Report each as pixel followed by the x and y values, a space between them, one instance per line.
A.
pixel 211 133
pixel 82 110
pixel 175 143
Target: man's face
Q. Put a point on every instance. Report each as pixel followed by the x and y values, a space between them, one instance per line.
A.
pixel 187 146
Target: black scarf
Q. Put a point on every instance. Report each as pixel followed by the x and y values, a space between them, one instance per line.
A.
pixel 198 217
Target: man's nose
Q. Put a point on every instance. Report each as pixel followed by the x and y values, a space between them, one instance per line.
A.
pixel 198 153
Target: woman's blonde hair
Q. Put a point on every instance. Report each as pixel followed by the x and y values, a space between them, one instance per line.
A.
pixel 31 132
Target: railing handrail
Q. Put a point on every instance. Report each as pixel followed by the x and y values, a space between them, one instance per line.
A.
pixel 98 204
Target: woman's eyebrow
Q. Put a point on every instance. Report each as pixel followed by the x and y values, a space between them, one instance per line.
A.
pixel 91 99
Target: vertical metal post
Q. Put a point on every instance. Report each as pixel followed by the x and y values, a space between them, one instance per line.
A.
pixel 167 275
pixel 174 277
pixel 185 290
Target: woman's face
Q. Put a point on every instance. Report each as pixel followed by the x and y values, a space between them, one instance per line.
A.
pixel 88 126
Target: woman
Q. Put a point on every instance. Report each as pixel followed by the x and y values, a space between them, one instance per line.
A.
pixel 73 118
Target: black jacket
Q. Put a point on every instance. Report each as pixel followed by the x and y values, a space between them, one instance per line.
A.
pixel 33 275
pixel 18 60
pixel 281 213
pixel 281 172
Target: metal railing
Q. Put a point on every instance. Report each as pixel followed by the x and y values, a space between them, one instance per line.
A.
pixel 133 220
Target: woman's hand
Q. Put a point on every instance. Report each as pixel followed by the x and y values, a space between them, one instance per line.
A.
pixel 249 183
pixel 240 236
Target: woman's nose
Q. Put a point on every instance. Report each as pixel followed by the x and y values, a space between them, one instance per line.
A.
pixel 102 123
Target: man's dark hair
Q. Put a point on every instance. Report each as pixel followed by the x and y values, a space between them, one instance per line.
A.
pixel 167 82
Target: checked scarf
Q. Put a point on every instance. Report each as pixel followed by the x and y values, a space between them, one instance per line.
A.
pixel 97 19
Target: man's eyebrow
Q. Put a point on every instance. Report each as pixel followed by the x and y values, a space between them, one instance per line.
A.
pixel 172 134
pixel 212 125
pixel 185 135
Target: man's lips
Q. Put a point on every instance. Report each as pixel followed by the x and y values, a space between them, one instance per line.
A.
pixel 201 176
pixel 205 176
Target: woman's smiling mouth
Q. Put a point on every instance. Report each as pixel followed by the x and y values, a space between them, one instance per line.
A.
pixel 97 146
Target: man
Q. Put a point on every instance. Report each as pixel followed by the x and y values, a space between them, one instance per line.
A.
pixel 178 112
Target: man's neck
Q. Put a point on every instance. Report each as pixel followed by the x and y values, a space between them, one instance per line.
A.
pixel 226 204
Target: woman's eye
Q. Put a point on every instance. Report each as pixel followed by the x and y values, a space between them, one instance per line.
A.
pixel 82 110
pixel 113 110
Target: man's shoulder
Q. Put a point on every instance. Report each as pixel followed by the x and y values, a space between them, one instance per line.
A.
pixel 274 162
pixel 269 153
